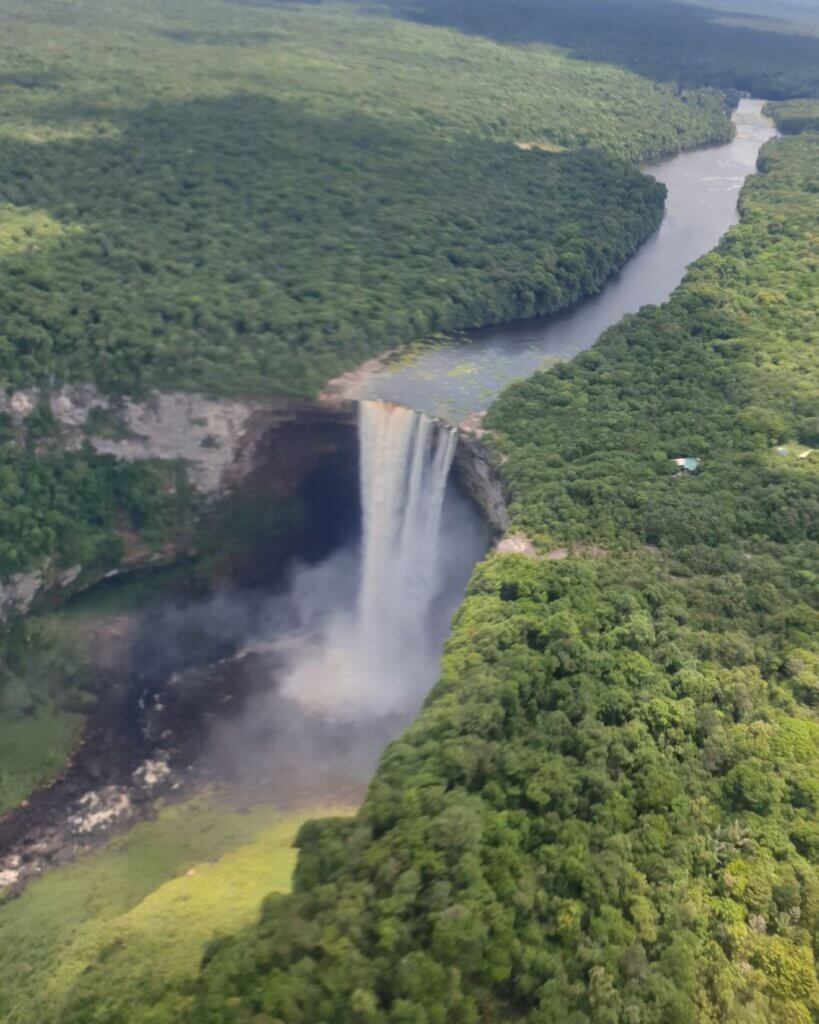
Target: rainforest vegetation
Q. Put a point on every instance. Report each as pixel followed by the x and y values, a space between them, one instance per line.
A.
pixel 147 903
pixel 206 215
pixel 686 43
pixel 606 811
pixel 794 116
pixel 257 229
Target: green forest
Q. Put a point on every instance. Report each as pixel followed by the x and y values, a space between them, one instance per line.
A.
pixel 666 40
pixel 205 215
pixel 606 811
pixel 258 230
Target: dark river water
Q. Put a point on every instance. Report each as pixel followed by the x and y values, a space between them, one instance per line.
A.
pixel 452 381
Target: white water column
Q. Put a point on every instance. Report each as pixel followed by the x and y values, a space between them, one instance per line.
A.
pixel 405 462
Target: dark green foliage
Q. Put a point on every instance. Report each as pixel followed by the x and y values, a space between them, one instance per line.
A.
pixel 208 216
pixel 72 507
pixel 661 38
pixel 796 116
pixel 605 813
pixel 243 245
pixel 720 373
pixel 257 229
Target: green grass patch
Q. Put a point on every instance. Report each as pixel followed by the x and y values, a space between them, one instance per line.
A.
pixel 136 914
pixel 32 750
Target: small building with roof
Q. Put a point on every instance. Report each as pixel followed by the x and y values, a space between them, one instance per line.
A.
pixel 689 464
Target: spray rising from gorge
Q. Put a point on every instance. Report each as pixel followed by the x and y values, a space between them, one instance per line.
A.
pixel 363 630
pixel 405 462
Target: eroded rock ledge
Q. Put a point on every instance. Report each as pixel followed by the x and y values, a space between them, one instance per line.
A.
pixel 259 452
pixel 225 444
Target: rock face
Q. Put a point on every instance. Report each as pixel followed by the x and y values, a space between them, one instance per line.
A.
pixel 18 592
pixel 204 432
pixel 283 443
pixel 226 445
pixel 219 439
pixel 480 480
pixel 268 453
pixel 516 544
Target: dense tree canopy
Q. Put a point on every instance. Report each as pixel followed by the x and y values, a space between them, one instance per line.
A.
pixel 668 40
pixel 606 812
pixel 794 116
pixel 258 229
pixel 285 248
pixel 207 215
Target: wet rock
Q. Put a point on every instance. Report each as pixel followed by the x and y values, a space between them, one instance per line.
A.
pixel 478 477
pixel 151 773
pixel 98 810
pixel 17 593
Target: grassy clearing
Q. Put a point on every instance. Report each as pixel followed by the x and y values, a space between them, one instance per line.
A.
pixel 26 230
pixel 138 912
pixel 32 750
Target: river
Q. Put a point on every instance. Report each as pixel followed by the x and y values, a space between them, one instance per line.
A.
pixel 360 635
pixel 330 667
pixel 452 381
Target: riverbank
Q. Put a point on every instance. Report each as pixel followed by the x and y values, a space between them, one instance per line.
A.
pixel 606 808
pixel 149 902
pixel 45 823
pixel 456 380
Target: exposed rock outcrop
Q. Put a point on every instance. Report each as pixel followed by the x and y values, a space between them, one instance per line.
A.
pixel 226 445
pixel 516 544
pixel 478 477
pixel 17 593
pixel 204 432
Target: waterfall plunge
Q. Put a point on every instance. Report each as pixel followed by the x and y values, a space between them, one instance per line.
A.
pixel 405 463
pixel 376 655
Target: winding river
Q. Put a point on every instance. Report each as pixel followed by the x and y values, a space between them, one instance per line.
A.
pixel 453 381
pixel 354 641
pixel 360 635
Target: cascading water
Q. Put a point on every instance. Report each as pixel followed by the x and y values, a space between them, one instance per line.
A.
pixel 405 462
pixel 376 651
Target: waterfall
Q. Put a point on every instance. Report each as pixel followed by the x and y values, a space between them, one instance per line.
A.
pixel 375 652
pixel 405 462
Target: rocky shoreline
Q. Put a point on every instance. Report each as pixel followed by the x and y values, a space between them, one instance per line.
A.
pixel 144 739
pixel 142 743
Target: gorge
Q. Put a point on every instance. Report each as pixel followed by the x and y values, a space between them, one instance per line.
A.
pixel 409 512
pixel 340 649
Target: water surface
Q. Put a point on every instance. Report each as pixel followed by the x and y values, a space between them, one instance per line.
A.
pixel 455 380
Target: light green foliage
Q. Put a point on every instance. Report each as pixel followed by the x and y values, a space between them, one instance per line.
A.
pixel 260 198
pixel 795 116
pixel 42 697
pixel 129 922
pixel 32 749
pixel 606 811
pixel 73 507
pixel 27 231
pixel 243 199
pixel 251 200
pixel 724 372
